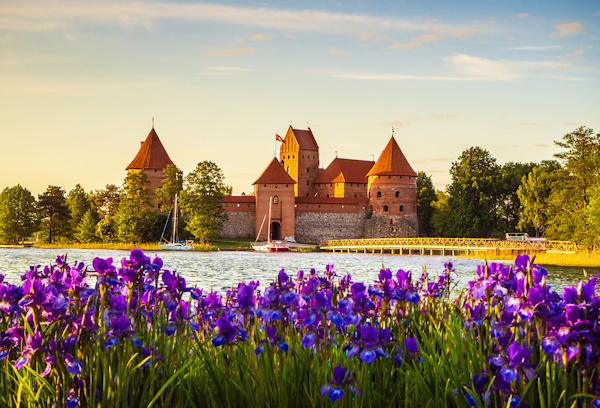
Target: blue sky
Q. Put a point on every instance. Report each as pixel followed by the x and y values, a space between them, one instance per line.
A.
pixel 81 81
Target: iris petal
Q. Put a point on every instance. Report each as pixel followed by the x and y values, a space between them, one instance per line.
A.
pixel 308 340
pixel 367 356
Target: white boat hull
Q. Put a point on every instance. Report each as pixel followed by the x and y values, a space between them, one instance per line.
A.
pixel 176 247
pixel 271 247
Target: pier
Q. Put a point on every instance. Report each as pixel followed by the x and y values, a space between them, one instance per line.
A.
pixel 443 246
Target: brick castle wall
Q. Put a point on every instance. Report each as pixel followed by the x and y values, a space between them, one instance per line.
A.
pixel 240 224
pixel 391 226
pixel 314 227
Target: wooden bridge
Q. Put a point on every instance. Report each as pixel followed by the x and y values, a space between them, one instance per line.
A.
pixel 443 246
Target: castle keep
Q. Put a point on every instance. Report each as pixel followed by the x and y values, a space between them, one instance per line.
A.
pixel 348 199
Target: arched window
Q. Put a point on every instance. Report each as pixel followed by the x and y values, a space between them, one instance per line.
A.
pixel 288 169
pixel 385 208
pixel 401 208
pixel 379 194
pixel 275 199
pixel 397 192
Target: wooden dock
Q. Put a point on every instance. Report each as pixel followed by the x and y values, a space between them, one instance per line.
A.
pixel 443 246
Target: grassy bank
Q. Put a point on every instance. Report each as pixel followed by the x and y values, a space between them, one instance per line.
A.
pixel 149 246
pixel 582 259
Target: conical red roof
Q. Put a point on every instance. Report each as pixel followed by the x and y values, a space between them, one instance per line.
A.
pixel 152 154
pixel 392 162
pixel 274 174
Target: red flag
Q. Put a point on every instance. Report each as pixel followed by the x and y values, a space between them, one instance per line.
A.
pixel 278 138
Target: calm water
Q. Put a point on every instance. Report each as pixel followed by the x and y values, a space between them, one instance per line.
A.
pixel 221 270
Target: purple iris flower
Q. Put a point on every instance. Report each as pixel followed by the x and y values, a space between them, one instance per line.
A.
pixel 341 377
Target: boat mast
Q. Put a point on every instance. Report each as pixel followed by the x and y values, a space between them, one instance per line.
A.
pixel 269 227
pixel 174 239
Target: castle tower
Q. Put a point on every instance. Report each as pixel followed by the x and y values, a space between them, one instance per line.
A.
pixel 277 187
pixel 392 188
pixel 152 158
pixel 299 156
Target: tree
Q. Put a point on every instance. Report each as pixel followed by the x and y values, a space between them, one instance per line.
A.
pixel 54 214
pixel 133 208
pixel 106 202
pixel 79 205
pixel 572 189
pixel 473 194
pixel 425 197
pixel 534 194
pixel 86 230
pixel 18 214
pixel 172 185
pixel 509 204
pixel 202 200
pixel 440 217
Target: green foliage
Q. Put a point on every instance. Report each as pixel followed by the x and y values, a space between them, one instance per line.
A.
pixel 134 218
pixel 106 202
pixel 573 187
pixel 55 215
pixel 509 204
pixel 473 194
pixel 202 200
pixel 18 214
pixel 86 230
pixel 78 203
pixel 172 185
pixel 440 217
pixel 534 195
pixel 426 195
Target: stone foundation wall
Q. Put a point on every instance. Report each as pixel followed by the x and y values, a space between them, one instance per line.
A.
pixel 314 227
pixel 239 225
pixel 392 226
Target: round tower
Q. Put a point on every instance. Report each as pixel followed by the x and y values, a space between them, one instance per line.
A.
pixel 392 189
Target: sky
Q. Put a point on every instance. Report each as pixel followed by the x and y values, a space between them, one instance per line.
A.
pixel 81 81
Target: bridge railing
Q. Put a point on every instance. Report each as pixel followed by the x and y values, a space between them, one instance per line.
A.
pixel 480 243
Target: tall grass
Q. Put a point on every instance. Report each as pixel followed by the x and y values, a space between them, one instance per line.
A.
pixel 176 349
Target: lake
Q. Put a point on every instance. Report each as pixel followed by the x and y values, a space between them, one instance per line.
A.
pixel 221 270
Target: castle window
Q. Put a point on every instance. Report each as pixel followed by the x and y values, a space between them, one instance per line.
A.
pixel 307 196
pixel 385 208
pixel 288 169
pixel 354 195
pixel 401 208
pixel 369 194
pixel 331 185
pixel 287 185
pixel 275 199
pixel 303 156
pixel 307 169
pixel 238 206
pixel 307 182
pixel 313 157
pixel 265 185
pixel 155 170
pixel 292 156
pixel 275 185
pixel 392 221
pixel 327 195
pixel 389 177
pixel 282 162
pixel 397 194
pixel 379 194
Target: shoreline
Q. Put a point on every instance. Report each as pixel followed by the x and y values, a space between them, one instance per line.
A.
pixel 575 259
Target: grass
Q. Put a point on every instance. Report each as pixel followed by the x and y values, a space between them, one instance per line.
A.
pixel 583 259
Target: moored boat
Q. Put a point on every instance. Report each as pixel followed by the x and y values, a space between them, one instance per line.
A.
pixel 174 244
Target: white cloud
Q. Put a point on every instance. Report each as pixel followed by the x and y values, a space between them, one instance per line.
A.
pixel 462 67
pixel 337 51
pixel 425 38
pixel 569 28
pixel 535 48
pixel 41 15
pixel 262 37
pixel 229 53
pixel 523 15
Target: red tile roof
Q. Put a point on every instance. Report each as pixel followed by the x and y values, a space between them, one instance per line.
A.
pixel 330 200
pixel 239 199
pixel 152 154
pixel 305 138
pixel 392 162
pixel 345 171
pixel 274 174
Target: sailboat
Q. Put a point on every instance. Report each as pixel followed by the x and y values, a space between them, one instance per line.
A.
pixel 269 246
pixel 174 245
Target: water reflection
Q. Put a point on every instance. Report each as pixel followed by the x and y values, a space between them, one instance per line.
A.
pixel 222 270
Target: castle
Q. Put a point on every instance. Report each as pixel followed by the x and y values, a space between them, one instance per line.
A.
pixel 348 199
